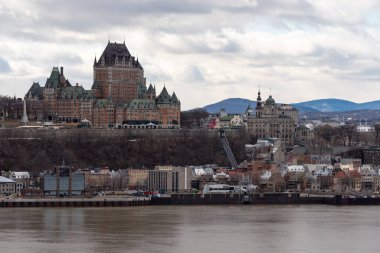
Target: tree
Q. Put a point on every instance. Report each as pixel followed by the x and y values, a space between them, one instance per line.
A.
pixel 194 118
pixel 377 132
pixel 347 132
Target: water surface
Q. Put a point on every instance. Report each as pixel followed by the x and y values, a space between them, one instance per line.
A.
pixel 191 229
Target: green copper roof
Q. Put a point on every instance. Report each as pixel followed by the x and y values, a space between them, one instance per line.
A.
pixel 174 98
pixel 151 89
pixel 164 97
pixel 142 104
pixel 270 101
pixel 76 92
pixel 54 80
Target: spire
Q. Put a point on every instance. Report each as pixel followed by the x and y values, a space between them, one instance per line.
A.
pixel 95 61
pixel 258 100
pixel 248 107
pixel 150 89
pixel 164 97
pixel 174 98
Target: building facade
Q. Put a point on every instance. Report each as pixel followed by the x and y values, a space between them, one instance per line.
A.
pixel 273 120
pixel 170 179
pixel 7 186
pixel 63 181
pixel 137 178
pixel 119 97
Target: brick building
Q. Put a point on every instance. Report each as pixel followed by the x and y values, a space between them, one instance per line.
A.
pixel 119 97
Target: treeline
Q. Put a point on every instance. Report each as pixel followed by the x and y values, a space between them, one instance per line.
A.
pixel 345 135
pixel 119 153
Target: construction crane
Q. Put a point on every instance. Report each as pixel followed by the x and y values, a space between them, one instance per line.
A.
pixel 227 149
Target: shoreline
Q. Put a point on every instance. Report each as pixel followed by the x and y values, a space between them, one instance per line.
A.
pixel 195 199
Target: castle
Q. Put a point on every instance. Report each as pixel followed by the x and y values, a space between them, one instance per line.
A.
pixel 119 97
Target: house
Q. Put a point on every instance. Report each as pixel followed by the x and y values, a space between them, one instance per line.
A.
pixel 7 186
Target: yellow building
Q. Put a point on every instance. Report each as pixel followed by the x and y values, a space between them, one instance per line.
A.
pixel 137 178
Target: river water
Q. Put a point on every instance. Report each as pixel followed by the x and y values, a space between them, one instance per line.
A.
pixel 219 229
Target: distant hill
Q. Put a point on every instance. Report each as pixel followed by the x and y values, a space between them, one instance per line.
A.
pixel 239 105
pixel 232 105
pixel 338 105
pixel 364 116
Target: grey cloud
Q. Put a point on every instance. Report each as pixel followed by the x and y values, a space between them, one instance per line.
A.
pixel 100 14
pixel 4 66
pixel 370 74
pixel 196 74
pixel 157 77
pixel 333 58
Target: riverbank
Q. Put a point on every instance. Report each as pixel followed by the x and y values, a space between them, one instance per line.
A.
pixel 196 199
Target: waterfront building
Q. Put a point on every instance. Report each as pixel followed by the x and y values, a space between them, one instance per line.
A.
pixel 7 186
pixel 119 97
pixel 177 179
pixel 22 179
pixel 137 178
pixel 63 181
pixel 98 179
pixel 273 120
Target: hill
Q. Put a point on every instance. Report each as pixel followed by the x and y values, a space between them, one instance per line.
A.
pixel 338 105
pixel 239 105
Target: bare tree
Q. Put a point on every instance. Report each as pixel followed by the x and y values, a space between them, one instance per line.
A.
pixel 194 118
pixel 377 133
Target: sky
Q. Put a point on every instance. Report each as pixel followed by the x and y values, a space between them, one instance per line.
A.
pixel 205 51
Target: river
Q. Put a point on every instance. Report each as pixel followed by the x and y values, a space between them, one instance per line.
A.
pixel 219 229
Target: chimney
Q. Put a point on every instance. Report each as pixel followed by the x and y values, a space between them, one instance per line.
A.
pixel 61 70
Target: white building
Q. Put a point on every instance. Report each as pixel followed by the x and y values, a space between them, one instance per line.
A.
pixel 7 186
pixel 365 129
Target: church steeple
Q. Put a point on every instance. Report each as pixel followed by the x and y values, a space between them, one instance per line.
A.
pixel 259 102
pixel 259 105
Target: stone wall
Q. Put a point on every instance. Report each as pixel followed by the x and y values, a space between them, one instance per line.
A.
pixel 94 134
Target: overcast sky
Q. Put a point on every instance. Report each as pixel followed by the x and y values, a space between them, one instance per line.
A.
pixel 205 51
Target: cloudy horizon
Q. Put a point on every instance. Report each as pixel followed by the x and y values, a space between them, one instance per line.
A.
pixel 205 51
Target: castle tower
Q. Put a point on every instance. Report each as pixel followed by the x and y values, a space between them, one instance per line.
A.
pixel 119 70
